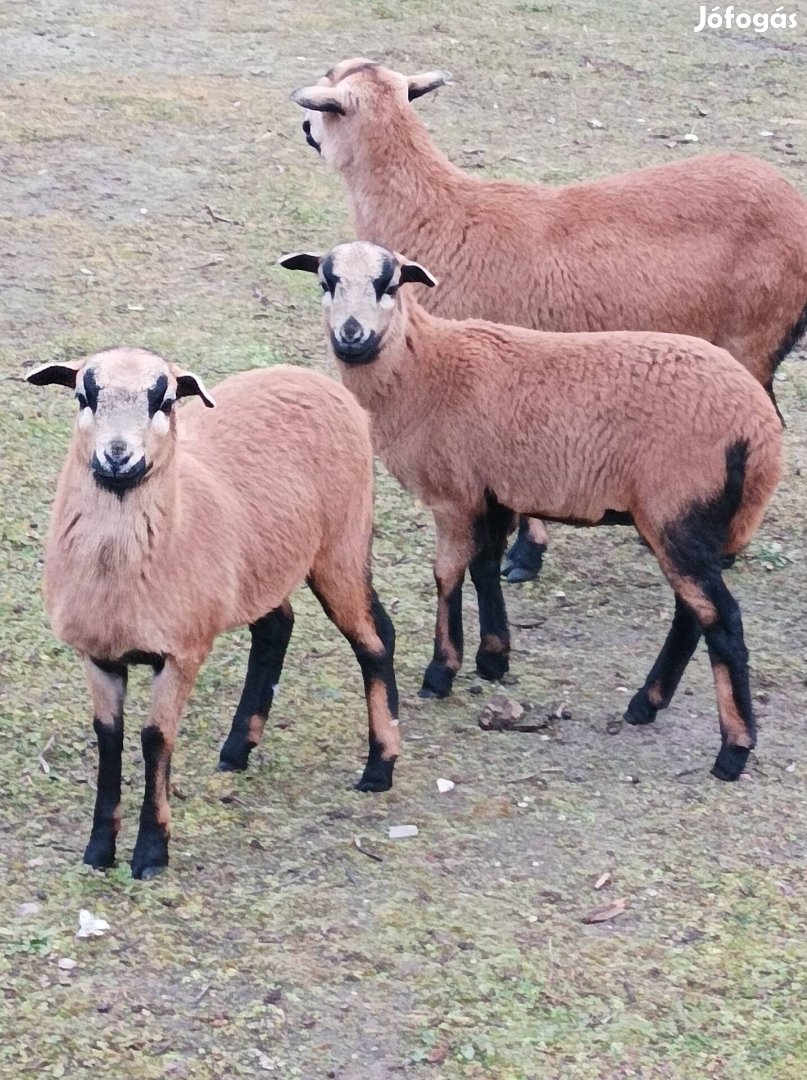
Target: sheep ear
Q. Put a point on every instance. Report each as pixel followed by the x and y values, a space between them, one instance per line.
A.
pixel 190 385
pixel 414 272
pixel 301 260
pixel 59 374
pixel 319 99
pixel 426 82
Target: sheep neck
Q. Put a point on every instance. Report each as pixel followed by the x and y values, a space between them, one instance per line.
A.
pixel 119 533
pixel 407 382
pixel 396 184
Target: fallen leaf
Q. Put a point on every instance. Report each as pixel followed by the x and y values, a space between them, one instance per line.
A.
pixel 603 880
pixel 604 914
pixel 444 785
pixel 66 964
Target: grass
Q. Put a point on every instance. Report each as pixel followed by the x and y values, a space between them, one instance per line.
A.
pixel 273 945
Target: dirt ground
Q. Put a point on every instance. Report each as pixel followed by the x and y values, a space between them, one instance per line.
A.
pixel 152 169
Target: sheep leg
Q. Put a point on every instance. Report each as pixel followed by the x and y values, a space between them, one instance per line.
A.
pixel 699 586
pixel 728 656
pixel 171 688
pixel 270 639
pixel 525 557
pixel 456 547
pixel 107 682
pixel 493 655
pixel 665 675
pixel 360 616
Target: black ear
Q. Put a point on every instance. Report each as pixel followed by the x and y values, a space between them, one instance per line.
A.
pixel 426 82
pixel 414 272
pixel 190 385
pixel 55 374
pixel 301 260
pixel 319 99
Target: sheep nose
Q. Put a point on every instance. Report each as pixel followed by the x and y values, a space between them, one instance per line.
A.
pixel 117 454
pixel 351 330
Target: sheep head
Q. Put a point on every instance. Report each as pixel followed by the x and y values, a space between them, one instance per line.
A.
pixel 126 399
pixel 354 93
pixel 360 283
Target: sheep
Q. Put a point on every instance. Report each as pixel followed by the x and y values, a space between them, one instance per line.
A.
pixel 481 421
pixel 714 245
pixel 169 529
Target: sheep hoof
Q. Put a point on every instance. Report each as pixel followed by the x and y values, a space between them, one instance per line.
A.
pixel 150 858
pixel 376 777
pixel 515 575
pixel 492 665
pixel 640 711
pixel 730 762
pixel 231 766
pixel 437 681
pixel 100 854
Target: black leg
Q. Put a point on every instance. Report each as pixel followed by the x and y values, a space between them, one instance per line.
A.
pixel 378 674
pixel 493 655
pixel 526 555
pixel 729 658
pixel 108 688
pixel 448 642
pixel 666 673
pixel 270 639
pixel 358 613
pixel 170 689
pixel 151 850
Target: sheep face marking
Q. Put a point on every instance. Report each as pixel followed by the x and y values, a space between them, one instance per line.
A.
pixel 125 399
pixel 359 284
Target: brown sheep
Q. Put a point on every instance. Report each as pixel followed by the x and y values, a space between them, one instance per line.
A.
pixel 714 246
pixel 169 529
pixel 481 421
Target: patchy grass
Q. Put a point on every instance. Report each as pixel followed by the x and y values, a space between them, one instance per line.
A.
pixel 273 945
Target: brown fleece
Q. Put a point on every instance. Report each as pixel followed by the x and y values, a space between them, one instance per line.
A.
pixel 565 426
pixel 714 246
pixel 255 493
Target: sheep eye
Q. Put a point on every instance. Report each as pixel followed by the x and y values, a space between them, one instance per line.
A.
pixel 392 290
pixel 325 286
pixel 82 401
pixel 167 405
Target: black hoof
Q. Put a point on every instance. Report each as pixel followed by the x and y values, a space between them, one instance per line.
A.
pixel 640 711
pixel 377 776
pixel 437 681
pixel 516 575
pixel 234 756
pixel 492 666
pixel 730 762
pixel 150 858
pixel 100 854
pixel 225 765
pixel 149 872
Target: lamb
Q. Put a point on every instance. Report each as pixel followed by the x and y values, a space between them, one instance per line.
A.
pixel 664 432
pixel 714 245
pixel 169 529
